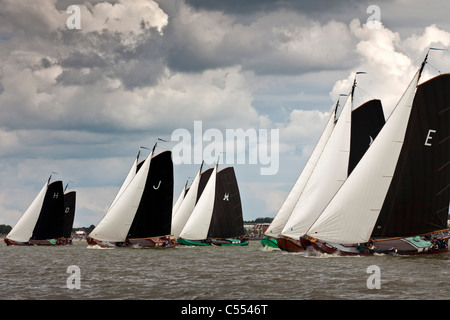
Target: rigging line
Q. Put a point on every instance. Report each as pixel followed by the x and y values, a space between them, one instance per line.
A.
pixel 365 92
pixel 167 144
pixel 439 71
pixel 68 185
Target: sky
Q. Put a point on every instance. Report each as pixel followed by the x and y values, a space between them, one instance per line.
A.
pixel 79 100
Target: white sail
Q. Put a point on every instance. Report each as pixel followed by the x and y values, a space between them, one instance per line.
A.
pixel 23 229
pixel 178 202
pixel 286 209
pixel 327 177
pixel 197 226
pixel 187 206
pixel 116 223
pixel 351 215
pixel 127 180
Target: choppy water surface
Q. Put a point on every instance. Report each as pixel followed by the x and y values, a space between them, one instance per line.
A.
pixel 215 273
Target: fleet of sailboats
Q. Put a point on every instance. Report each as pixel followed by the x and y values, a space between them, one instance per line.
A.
pixel 394 200
pixel 48 220
pixel 343 142
pixel 397 197
pixel 369 186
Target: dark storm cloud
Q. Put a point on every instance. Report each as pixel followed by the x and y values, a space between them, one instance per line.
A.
pixel 63 4
pixel 137 64
pixel 282 42
pixel 45 63
pixel 318 7
pixel 78 60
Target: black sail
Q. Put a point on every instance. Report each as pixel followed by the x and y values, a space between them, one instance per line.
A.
pixel 154 214
pixel 367 121
pixel 69 213
pixel 417 201
pixel 226 220
pixel 51 218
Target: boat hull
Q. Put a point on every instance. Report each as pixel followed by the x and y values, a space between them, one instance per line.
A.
pixel 152 242
pixel 163 242
pixel 185 242
pixel 314 245
pixel 290 245
pixel 213 242
pixel 48 242
pixel 268 241
pixel 400 246
pixel 229 242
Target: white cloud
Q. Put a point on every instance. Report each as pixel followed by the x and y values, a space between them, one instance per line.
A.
pixel 302 131
pixel 129 18
pixel 389 61
pixel 30 17
pixel 269 196
pixel 80 102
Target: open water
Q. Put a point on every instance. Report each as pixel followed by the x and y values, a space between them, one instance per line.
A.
pixel 215 273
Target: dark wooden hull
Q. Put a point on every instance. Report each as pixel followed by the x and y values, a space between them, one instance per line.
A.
pixel 49 242
pixel 398 246
pixel 163 242
pixel 214 242
pixel 316 246
pixel 229 242
pixel 101 244
pixel 289 245
pixel 152 242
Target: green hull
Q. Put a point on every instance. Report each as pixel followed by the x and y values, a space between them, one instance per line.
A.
pixel 234 242
pixel 186 242
pixel 269 242
pixel 227 243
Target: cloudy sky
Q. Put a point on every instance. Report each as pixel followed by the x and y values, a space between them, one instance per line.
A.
pixel 81 102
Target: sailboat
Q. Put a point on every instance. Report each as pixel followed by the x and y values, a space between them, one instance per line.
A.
pixel 397 198
pixel 69 213
pixel 141 213
pixel 187 206
pixel 341 145
pixel 274 230
pixel 180 199
pixel 217 216
pixel 48 220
